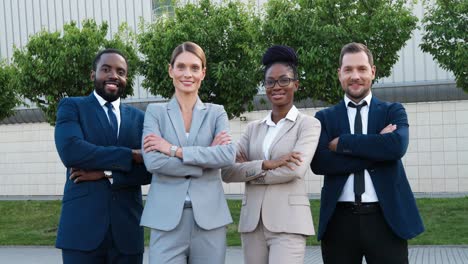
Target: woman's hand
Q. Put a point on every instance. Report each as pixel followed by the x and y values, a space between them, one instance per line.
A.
pixel 285 160
pixel 222 138
pixel 153 142
pixel 241 157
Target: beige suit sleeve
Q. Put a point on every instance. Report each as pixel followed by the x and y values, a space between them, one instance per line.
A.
pixel 245 171
pixel 306 144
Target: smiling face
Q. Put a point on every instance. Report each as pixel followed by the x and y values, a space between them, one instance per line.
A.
pixel 110 77
pixel 187 73
pixel 281 96
pixel 356 75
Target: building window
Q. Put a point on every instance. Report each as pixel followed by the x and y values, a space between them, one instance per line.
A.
pixel 162 8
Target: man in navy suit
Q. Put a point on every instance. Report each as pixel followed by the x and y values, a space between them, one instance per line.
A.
pixel 367 206
pixel 99 142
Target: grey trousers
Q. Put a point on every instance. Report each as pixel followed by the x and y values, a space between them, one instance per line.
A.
pixel 188 243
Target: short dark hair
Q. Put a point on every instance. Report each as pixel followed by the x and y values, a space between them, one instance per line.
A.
pixel 191 47
pixel 107 51
pixel 355 47
pixel 281 54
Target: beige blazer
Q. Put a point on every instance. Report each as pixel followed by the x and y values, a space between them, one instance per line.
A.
pixel 278 195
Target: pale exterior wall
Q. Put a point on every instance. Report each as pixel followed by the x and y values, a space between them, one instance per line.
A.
pixel 414 66
pixel 436 160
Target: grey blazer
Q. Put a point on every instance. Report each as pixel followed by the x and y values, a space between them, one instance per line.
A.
pixel 198 174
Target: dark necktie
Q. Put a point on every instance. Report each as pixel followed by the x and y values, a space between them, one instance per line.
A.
pixel 359 186
pixel 112 118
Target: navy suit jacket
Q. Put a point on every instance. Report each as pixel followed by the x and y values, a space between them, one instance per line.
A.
pixel 379 154
pixel 83 140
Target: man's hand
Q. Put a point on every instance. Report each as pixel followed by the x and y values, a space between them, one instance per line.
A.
pixel 388 129
pixel 222 138
pixel 78 175
pixel 136 156
pixel 333 144
pixel 285 160
pixel 153 142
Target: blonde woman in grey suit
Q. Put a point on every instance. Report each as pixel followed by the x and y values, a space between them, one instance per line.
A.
pixel 186 142
pixel 273 158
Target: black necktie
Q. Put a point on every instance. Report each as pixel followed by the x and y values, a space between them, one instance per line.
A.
pixel 359 186
pixel 112 118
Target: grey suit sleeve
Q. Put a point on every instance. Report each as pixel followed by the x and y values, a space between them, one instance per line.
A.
pixel 157 162
pixel 245 171
pixel 214 157
pixel 306 145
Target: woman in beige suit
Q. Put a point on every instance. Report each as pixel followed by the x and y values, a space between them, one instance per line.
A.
pixel 273 158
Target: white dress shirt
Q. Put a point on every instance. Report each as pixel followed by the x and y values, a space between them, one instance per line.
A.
pixel 187 196
pixel 347 195
pixel 273 129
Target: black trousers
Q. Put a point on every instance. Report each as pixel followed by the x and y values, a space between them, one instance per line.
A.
pixel 356 232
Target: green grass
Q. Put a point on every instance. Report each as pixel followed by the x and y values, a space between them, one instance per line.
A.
pixel 35 222
pixel 28 222
pixel 446 221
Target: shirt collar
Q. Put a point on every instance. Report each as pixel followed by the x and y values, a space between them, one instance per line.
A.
pixel 291 116
pixel 367 99
pixel 102 101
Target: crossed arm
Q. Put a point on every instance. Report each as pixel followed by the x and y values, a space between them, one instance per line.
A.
pixel 283 169
pixel 349 153
pixel 189 160
pixel 87 161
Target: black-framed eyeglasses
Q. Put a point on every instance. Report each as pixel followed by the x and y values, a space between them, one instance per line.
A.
pixel 282 82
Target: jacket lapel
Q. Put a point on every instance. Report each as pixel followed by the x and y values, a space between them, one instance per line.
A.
pixel 260 134
pixel 177 121
pixel 96 109
pixel 124 122
pixel 375 112
pixel 342 117
pixel 199 113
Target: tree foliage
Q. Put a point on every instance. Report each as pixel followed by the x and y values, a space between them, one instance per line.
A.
pixel 8 96
pixel 54 65
pixel 446 36
pixel 227 33
pixel 319 29
pixel 233 35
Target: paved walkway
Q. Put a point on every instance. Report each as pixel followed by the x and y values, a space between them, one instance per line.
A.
pixel 417 255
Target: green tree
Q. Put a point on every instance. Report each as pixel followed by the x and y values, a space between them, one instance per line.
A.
pixel 8 96
pixel 318 29
pixel 446 36
pixel 54 65
pixel 227 33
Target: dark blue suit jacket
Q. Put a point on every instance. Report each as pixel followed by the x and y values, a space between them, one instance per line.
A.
pixel 379 154
pixel 83 140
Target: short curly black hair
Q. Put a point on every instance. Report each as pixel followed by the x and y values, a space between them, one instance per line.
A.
pixel 107 51
pixel 281 54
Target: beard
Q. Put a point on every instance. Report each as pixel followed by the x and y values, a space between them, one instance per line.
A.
pixel 108 96
pixel 357 95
